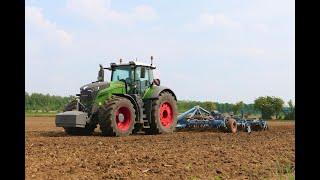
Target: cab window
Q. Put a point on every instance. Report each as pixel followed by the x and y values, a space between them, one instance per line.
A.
pixel 120 73
pixel 142 74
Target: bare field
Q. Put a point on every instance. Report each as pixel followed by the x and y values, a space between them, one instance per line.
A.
pixel 51 154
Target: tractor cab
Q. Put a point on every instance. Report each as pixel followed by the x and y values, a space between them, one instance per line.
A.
pixel 137 76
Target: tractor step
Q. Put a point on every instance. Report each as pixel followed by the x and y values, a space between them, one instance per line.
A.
pixel 145 120
pixel 146 123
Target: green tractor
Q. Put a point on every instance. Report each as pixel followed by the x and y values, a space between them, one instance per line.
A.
pixel 133 101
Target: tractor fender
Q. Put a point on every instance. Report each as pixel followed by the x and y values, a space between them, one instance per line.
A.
pixel 135 105
pixel 159 89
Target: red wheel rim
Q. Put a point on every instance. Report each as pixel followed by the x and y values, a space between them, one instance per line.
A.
pixel 123 118
pixel 166 114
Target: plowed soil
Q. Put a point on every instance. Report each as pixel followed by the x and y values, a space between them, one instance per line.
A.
pixel 51 154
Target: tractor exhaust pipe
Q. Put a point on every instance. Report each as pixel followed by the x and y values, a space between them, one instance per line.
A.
pixel 151 60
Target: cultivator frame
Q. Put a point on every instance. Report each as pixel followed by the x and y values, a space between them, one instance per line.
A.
pixel 198 117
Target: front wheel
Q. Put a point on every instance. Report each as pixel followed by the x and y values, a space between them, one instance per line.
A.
pixel 164 114
pixel 117 117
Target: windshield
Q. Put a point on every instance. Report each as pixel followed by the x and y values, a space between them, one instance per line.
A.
pixel 123 72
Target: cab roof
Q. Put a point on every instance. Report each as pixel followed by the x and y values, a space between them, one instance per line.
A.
pixel 135 63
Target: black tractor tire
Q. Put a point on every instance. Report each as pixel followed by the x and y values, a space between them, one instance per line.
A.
pixel 77 131
pixel 231 125
pixel 117 117
pixel 163 114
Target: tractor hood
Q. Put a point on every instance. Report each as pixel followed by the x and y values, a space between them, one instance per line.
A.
pixel 88 93
pixel 95 86
pixel 115 87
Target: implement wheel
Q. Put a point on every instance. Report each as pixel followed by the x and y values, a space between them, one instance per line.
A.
pixel 164 114
pixel 117 117
pixel 232 125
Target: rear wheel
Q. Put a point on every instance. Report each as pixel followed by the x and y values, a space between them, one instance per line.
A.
pixel 117 117
pixel 164 114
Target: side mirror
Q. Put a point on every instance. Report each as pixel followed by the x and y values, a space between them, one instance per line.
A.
pixel 101 74
pixel 143 72
pixel 156 82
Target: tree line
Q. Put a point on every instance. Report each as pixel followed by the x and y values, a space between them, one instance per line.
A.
pixel 45 103
pixel 266 107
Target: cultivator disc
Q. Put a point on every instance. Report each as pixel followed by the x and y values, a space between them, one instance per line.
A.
pixel 252 125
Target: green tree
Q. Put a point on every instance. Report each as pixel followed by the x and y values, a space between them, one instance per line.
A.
pixel 37 101
pixel 237 107
pixel 292 109
pixel 269 106
pixel 210 106
pixel 264 105
pixel 277 106
pixel 289 113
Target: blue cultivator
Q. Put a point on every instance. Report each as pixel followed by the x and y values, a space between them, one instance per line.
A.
pixel 251 125
pixel 197 117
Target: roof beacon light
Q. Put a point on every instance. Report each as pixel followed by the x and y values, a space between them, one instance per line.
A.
pixel 151 60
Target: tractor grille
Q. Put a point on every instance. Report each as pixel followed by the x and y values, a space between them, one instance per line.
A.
pixel 86 97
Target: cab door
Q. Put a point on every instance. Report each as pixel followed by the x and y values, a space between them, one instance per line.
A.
pixel 142 79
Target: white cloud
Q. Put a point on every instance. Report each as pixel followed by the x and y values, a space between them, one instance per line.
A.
pixel 95 10
pixel 251 51
pixel 254 51
pixel 217 20
pixel 261 27
pixel 269 9
pixel 100 12
pixel 207 21
pixel 144 12
pixel 35 19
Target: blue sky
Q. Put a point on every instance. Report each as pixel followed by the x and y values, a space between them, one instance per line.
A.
pixel 223 51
